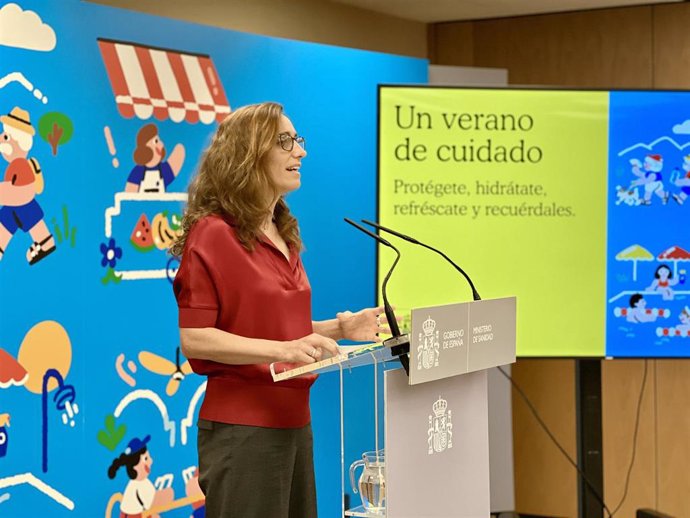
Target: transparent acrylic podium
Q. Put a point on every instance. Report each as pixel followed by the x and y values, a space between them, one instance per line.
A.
pixel 436 419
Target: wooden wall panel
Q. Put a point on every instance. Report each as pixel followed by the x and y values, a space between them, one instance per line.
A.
pixel 605 48
pixel 673 431
pixel 451 44
pixel 544 480
pixel 305 20
pixel 672 46
pixel 621 383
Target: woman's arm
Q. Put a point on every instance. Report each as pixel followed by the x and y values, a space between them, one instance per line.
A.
pixel 209 343
pixel 330 328
pixel 363 326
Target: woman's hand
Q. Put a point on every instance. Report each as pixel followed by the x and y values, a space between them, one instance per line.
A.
pixel 363 326
pixel 309 349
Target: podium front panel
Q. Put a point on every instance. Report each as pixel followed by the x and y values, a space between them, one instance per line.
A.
pixel 458 338
pixel 437 447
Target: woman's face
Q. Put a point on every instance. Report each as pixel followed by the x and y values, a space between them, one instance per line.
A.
pixel 664 273
pixel 156 145
pixel 143 468
pixel 284 166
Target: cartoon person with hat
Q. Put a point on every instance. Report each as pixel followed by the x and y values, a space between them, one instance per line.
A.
pixel 140 494
pixel 20 184
pixel 649 175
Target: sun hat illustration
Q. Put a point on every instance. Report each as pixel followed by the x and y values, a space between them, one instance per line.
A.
pixel 19 119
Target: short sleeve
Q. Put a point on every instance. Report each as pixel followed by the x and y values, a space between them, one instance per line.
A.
pixel 197 299
pixel 137 175
pixel 20 172
pixel 147 493
pixel 167 173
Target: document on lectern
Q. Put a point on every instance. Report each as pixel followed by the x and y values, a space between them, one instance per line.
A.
pixel 350 356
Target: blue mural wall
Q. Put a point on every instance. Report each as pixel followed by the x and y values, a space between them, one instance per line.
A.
pixel 88 332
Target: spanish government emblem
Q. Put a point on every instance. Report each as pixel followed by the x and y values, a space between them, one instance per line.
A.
pixel 440 433
pixel 429 345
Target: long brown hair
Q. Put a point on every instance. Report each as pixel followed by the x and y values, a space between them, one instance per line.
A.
pixel 233 178
pixel 143 154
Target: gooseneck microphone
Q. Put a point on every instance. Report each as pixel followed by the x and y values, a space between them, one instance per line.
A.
pixel 392 322
pixel 399 343
pixel 475 294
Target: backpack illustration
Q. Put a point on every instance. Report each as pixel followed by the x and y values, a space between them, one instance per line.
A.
pixel 39 184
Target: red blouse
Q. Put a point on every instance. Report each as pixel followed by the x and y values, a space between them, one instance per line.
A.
pixel 258 294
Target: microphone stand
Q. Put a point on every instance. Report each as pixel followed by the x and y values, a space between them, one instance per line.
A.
pixel 475 293
pixel 399 343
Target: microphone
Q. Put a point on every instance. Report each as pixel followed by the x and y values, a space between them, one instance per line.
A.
pixel 399 343
pixel 475 294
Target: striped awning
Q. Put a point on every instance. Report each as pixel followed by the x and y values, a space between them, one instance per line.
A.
pixel 163 83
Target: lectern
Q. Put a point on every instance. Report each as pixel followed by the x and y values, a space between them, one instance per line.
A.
pixel 436 419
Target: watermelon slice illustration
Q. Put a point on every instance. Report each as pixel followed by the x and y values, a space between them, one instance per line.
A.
pixel 141 236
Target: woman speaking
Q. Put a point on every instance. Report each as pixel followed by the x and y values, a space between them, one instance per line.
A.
pixel 245 302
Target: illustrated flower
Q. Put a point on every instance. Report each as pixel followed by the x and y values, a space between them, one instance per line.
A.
pixel 111 253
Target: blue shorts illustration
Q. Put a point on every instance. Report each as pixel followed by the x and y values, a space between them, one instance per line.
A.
pixel 23 217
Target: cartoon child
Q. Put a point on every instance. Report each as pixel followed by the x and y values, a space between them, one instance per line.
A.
pixel 140 493
pixel 152 174
pixel 683 182
pixel 650 177
pixel 637 313
pixel 663 280
pixel 20 184
pixel 684 318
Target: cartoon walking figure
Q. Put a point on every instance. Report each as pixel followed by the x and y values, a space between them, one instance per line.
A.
pixel 663 280
pixel 152 174
pixel 683 181
pixel 22 182
pixel 649 175
pixel 140 494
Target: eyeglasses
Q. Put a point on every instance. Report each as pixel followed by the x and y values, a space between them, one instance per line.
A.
pixel 287 141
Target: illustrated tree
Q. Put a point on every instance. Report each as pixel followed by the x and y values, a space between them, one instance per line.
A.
pixel 56 129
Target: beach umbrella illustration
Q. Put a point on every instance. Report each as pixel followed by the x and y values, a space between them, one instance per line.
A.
pixel 634 253
pixel 11 371
pixel 674 254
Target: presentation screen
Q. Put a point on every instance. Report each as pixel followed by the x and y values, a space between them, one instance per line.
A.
pixel 575 201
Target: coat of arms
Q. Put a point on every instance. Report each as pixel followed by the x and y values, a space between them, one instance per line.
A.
pixel 428 348
pixel 440 434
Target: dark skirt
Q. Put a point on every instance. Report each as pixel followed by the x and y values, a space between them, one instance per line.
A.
pixel 255 472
